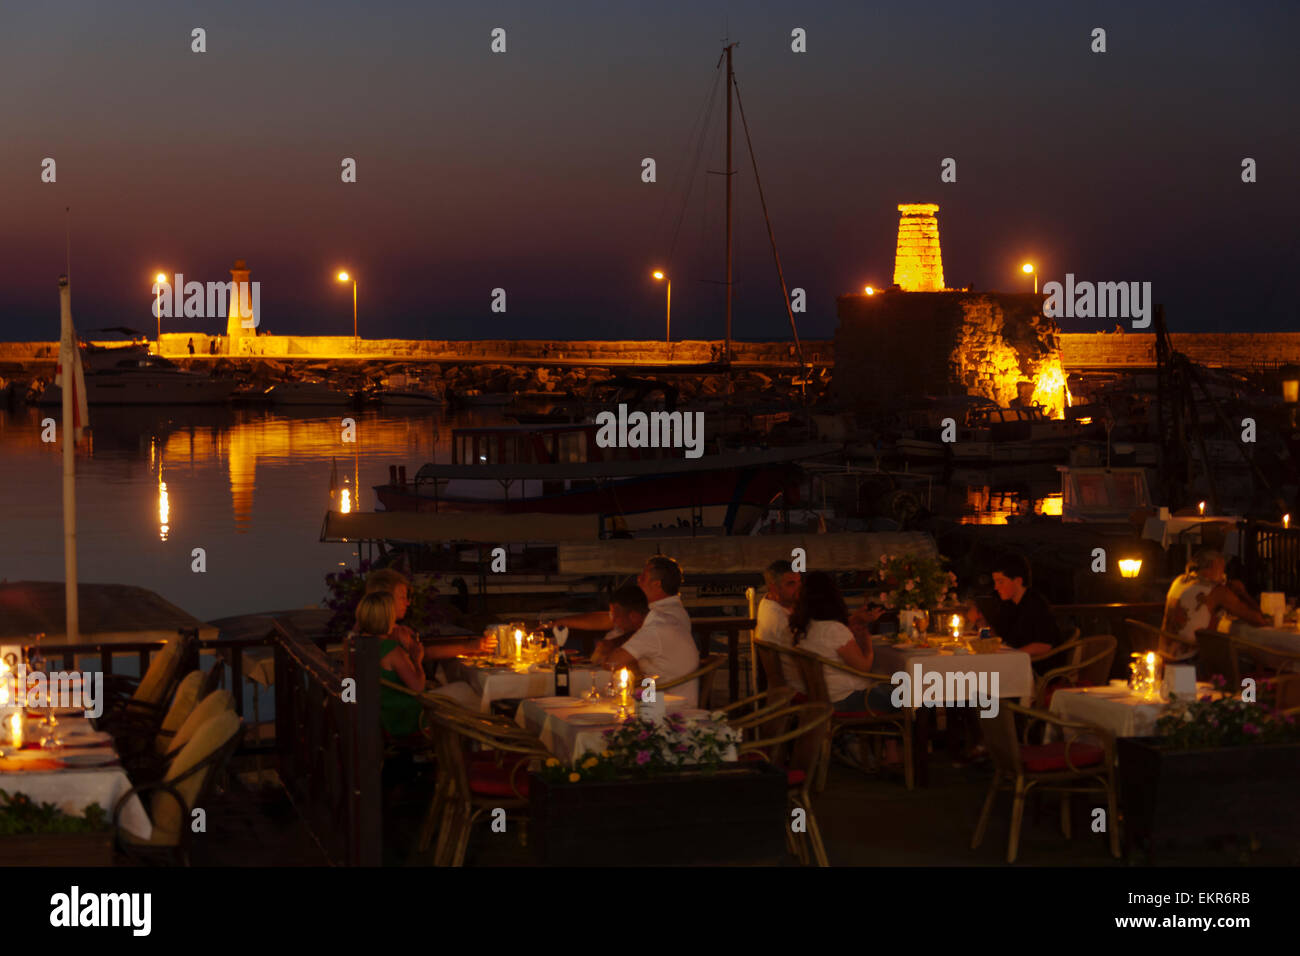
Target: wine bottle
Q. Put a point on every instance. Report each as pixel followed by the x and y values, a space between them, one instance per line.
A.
pixel 562 675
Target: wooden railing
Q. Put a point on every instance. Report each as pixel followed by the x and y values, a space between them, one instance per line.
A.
pixel 1270 557
pixel 329 744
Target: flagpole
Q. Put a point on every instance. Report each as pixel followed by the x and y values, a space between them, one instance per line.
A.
pixel 67 362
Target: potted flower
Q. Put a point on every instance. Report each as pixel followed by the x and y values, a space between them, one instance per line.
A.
pixel 40 834
pixel 912 585
pixel 1219 767
pixel 659 794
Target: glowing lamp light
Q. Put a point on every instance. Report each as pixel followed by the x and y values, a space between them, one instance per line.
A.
pixel 1286 521
pixel 164 511
pixel 16 729
pixel 345 501
pixel 519 645
pixel 343 277
pixel 1130 567
pixel 1201 507
pixel 658 274
pixel 1291 384
pixel 1027 268
pixel 869 291
pixel 160 278
pixel 955 624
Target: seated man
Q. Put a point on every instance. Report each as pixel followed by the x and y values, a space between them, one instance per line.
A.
pixel 1198 597
pixel 773 615
pixel 1023 618
pixel 627 611
pixel 664 646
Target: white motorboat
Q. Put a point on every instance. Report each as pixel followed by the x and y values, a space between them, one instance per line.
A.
pixel 143 379
pixel 309 392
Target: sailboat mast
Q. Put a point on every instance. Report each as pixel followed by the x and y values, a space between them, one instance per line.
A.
pixel 726 350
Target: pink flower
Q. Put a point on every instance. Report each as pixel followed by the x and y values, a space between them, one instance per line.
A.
pixel 643 735
pixel 642 756
pixel 1249 728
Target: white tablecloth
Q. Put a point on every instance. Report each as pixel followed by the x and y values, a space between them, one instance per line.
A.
pixel 552 722
pixel 1169 530
pixel 1127 716
pixel 1283 639
pixel 73 789
pixel 504 683
pixel 1014 669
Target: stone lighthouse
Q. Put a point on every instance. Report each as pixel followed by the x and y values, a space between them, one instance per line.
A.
pixel 918 265
pixel 237 336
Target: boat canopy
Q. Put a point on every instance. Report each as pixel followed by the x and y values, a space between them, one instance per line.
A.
pixel 450 526
pixel 109 613
pixel 743 554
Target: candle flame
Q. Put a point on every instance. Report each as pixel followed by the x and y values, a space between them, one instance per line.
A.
pixel 16 729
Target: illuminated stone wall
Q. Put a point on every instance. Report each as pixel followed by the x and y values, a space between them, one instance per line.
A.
pixel 891 349
pixel 918 263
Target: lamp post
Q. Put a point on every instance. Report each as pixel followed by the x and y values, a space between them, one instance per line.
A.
pixel 1028 269
pixel 668 307
pixel 159 279
pixel 344 277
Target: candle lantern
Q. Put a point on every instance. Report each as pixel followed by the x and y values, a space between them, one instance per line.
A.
pixel 16 729
pixel 1130 567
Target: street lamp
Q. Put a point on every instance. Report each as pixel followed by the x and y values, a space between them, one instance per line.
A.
pixel 159 279
pixel 344 277
pixel 869 290
pixel 1028 269
pixel 668 308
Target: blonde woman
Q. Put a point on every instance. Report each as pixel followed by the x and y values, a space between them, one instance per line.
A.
pixel 399 713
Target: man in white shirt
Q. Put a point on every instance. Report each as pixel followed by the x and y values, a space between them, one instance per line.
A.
pixel 663 647
pixel 773 615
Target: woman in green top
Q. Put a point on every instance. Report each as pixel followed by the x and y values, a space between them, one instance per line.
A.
pixel 399 713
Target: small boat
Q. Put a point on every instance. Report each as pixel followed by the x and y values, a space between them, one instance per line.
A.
pixel 407 397
pixel 309 392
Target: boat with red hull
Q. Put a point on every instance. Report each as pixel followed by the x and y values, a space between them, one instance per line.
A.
pixel 562 470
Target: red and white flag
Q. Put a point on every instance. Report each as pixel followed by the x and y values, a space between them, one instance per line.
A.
pixel 70 358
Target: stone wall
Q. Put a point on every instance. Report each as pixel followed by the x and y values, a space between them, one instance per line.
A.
pixel 895 347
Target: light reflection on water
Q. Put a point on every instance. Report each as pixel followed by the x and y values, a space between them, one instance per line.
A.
pixel 250 487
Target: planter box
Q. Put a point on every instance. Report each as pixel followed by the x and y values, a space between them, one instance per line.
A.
pixel 1229 791
pixel 57 849
pixel 734 816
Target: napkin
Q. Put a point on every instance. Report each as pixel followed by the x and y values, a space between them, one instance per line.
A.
pixel 561 634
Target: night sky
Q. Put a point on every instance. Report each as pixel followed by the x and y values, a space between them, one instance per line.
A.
pixel 522 170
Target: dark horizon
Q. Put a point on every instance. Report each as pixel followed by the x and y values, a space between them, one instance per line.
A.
pixel 522 170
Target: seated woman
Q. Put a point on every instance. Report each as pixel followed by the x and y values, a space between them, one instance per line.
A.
pixel 820 624
pixel 1197 599
pixel 399 713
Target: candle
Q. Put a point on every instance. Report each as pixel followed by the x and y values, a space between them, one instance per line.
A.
pixel 16 729
pixel 622 685
pixel 956 625
pixel 1286 521
pixel 519 645
pixel 1202 507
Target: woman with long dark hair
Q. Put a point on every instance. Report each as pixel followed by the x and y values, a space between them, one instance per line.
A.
pixel 820 624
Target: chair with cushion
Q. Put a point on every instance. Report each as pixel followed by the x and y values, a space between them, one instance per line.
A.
pixel 473 787
pixel 130 704
pixel 704 674
pixel 190 778
pixel 806 743
pixel 1065 766
pixel 866 723
pixel 142 752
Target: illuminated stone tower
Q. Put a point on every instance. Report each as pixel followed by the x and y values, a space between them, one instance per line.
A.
pixel 236 335
pixel 918 266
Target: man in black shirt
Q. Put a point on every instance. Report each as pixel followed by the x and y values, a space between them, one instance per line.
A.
pixel 1023 618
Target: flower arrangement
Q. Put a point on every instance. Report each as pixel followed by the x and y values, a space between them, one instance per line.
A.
pixel 644 748
pixel 912 581
pixel 427 609
pixel 1226 722
pixel 19 815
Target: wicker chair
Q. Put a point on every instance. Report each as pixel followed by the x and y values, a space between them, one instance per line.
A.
pixel 1287 695
pixel 1144 638
pixel 1087 658
pixel 863 723
pixel 472 787
pixel 1216 656
pixel 807 745
pixel 190 778
pixel 1064 766
pixel 135 706
pixel 704 675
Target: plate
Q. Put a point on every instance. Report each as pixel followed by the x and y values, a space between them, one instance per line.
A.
pixel 88 760
pixel 593 719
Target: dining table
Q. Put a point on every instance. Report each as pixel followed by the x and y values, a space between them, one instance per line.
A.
pixel 491 679
pixel 570 726
pixel 1283 638
pixel 1116 708
pixel 1014 669
pixel 83 771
